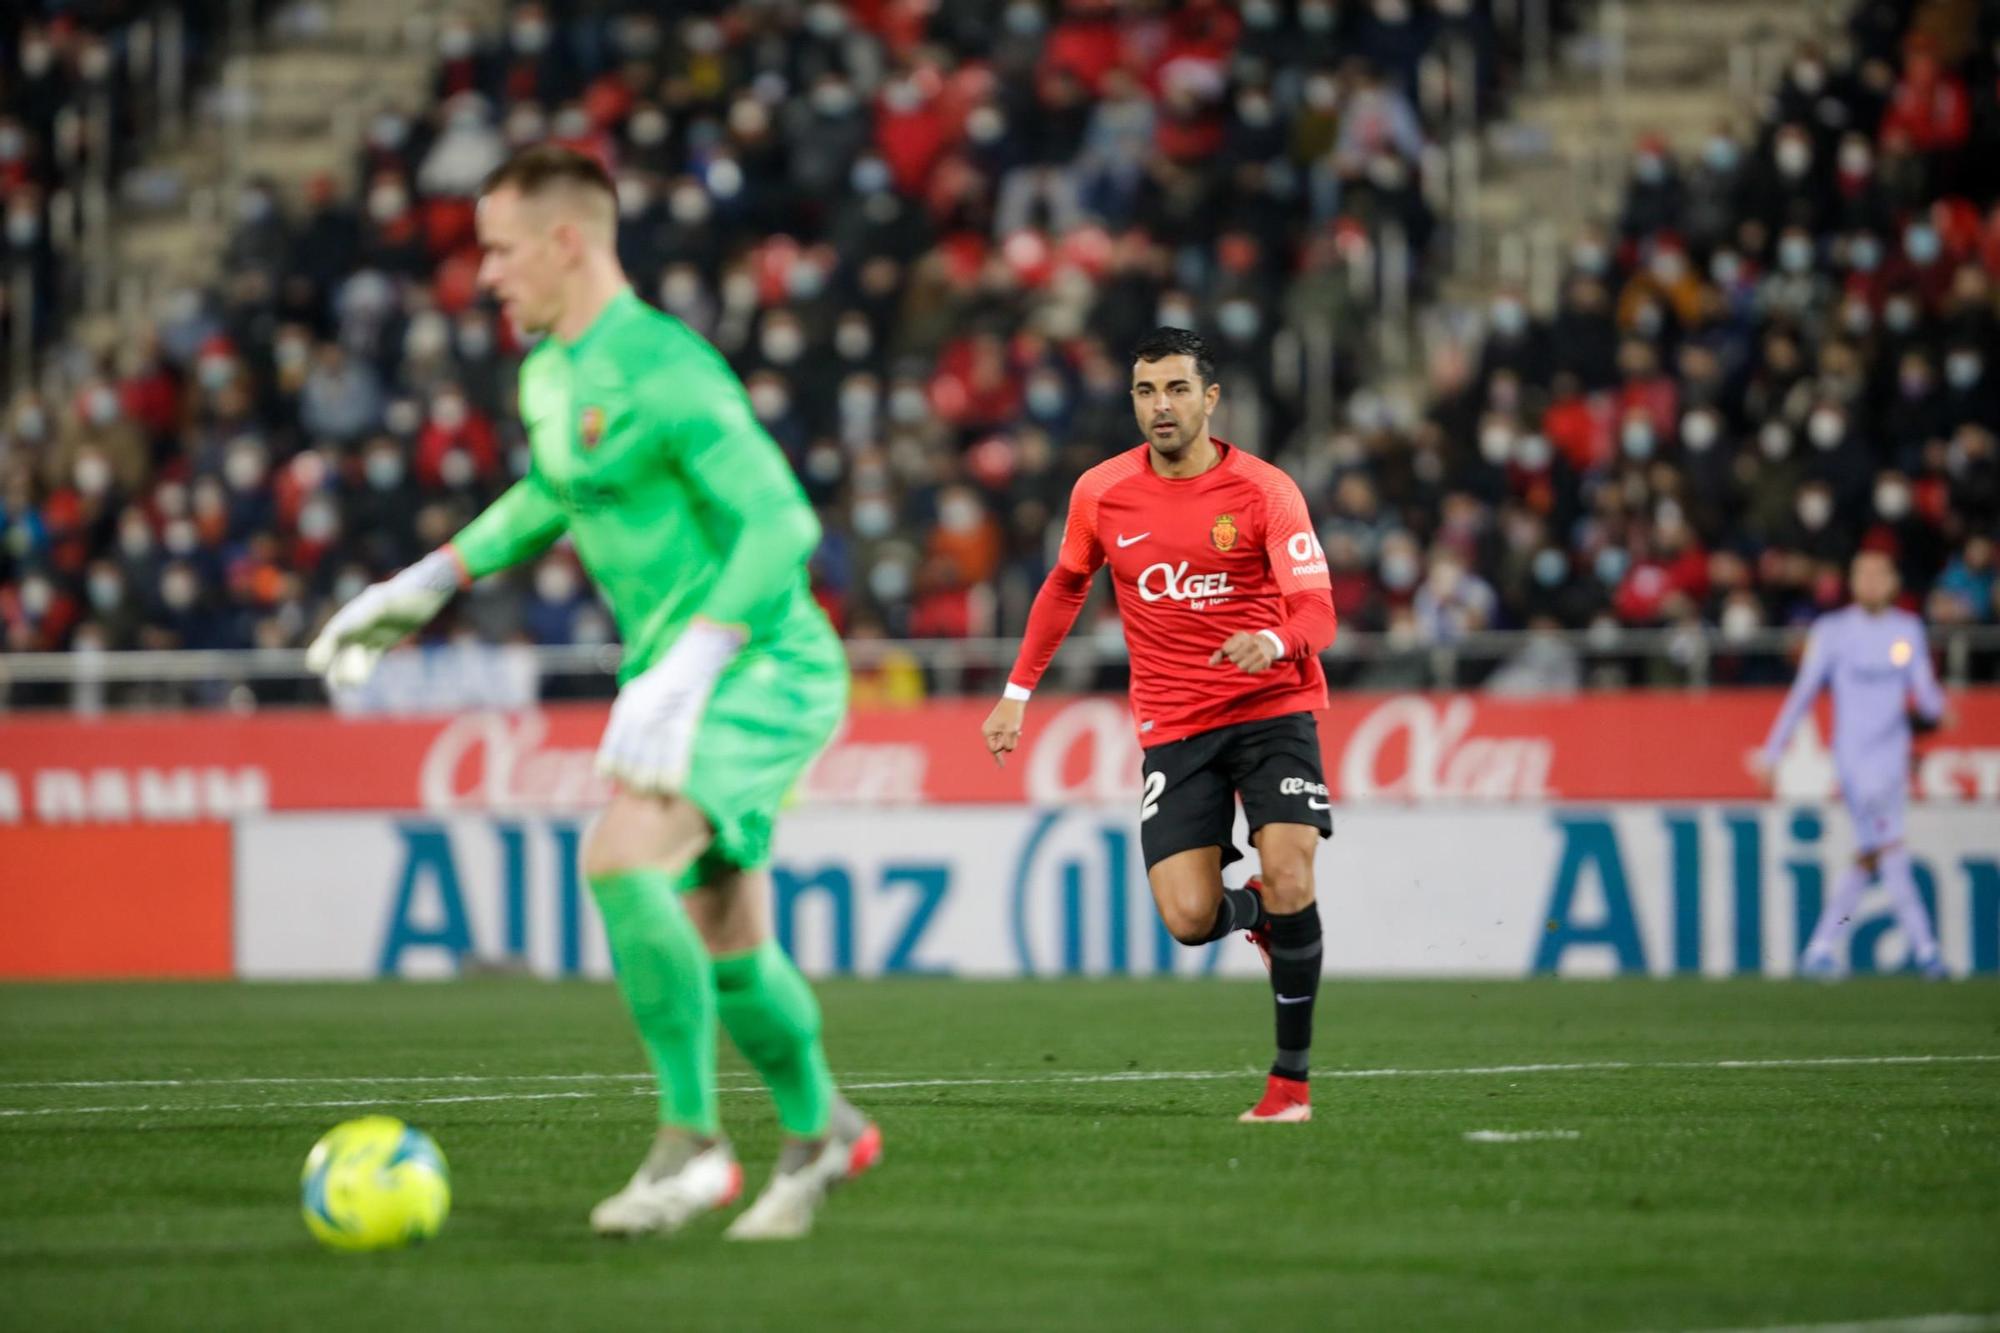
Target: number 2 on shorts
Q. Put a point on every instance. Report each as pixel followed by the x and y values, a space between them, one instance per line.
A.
pixel 1150 805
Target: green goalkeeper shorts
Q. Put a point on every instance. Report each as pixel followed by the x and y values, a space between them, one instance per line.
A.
pixel 772 712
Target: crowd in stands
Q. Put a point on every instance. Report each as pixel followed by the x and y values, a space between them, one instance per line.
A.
pixel 926 235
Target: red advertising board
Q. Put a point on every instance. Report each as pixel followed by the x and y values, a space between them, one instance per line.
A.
pixel 138 901
pixel 1410 747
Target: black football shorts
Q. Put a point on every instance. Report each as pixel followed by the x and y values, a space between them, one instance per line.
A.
pixel 1192 785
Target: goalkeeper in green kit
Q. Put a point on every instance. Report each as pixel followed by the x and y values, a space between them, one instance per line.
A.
pixel 689 519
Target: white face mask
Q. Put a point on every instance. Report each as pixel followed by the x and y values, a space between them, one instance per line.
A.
pixel 1794 156
pixel 1534 453
pixel 680 291
pixel 1826 428
pixel 853 340
pixel 1238 319
pixel 555 582
pixel 857 400
pixel 456 468
pixel 449 412
pixel 318 521
pixel 93 475
pixel 1399 571
pixel 1963 369
pixel 1698 432
pixel 690 205
pixel 648 128
pixel 1637 440
pixel 959 513
pixel 1775 441
pixel 1815 509
pixel 889 581
pixel 243 469
pixel 769 401
pixel 1740 620
pixel 1892 500
pixel 873 518
pixel 178 588
pixel 384 469
pixel 135 539
pixel 106 591
pixel 526 125
pixel 1496 442
pixel 783 343
pixel 428 336
pixel 633 196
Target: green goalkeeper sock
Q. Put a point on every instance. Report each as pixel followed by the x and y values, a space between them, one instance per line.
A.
pixel 669 985
pixel 773 1018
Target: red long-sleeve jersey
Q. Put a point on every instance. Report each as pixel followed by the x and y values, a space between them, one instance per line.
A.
pixel 1193 561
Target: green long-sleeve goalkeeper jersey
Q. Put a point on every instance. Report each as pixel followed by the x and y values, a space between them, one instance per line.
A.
pixel 681 505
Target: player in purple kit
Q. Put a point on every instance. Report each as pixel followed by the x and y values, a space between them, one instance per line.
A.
pixel 1875 659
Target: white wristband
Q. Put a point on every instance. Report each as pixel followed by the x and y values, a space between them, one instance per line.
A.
pixel 1015 693
pixel 1277 643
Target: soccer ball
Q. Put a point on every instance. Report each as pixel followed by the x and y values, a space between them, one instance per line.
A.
pixel 374 1184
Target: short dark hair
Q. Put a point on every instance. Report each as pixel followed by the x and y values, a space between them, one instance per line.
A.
pixel 542 166
pixel 1165 342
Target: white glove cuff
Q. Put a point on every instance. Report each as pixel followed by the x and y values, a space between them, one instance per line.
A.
pixel 1277 643
pixel 436 573
pixel 1016 693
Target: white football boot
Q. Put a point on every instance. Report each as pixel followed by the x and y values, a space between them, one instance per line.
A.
pixel 681 1179
pixel 806 1171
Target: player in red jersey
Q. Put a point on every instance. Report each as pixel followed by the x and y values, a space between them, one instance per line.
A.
pixel 1223 590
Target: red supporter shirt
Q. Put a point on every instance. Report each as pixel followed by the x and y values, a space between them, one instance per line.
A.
pixel 1193 561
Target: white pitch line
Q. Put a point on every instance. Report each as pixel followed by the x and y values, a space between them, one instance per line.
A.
pixel 1590 1066
pixel 310 1080
pixel 1126 1076
pixel 1921 1323
pixel 1518 1135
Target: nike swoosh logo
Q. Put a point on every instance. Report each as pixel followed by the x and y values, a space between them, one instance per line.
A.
pixel 1124 542
pixel 1318 805
pixel 1293 999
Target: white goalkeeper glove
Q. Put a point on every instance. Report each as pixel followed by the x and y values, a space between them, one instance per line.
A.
pixel 380 616
pixel 648 744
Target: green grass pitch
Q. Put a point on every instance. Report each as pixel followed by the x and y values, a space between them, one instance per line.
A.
pixel 1060 1155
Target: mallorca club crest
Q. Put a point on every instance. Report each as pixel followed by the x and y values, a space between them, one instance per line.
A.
pixel 590 426
pixel 1223 533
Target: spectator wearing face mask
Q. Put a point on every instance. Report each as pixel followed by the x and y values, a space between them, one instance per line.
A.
pixel 456 449
pixel 1655 198
pixel 342 397
pixel 1789 183
pixel 1895 527
pixel 100 450
pixel 1452 601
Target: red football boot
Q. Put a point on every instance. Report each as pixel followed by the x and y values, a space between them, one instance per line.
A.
pixel 1287 1101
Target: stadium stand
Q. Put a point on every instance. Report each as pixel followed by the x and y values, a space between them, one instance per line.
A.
pixel 926 233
